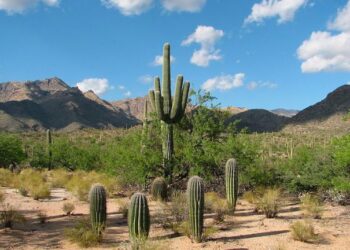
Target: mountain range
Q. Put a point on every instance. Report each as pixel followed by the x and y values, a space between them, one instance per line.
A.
pixel 51 103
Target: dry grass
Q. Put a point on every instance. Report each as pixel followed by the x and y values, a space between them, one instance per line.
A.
pixel 32 182
pixel 312 206
pixel 9 216
pixel 269 202
pixel 123 207
pixel 217 205
pixel 68 208
pixel 6 178
pixel 42 217
pixel 58 178
pixel 83 234
pixel 303 231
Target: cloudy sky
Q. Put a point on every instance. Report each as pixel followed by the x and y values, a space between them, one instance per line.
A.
pixel 248 53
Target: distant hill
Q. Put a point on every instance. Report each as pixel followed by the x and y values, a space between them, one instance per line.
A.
pixel 258 120
pixel 133 107
pixel 51 103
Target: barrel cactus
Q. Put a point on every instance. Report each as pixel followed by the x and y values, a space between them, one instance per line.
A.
pixel 195 197
pixel 169 110
pixel 231 179
pixel 159 189
pixel 98 207
pixel 138 219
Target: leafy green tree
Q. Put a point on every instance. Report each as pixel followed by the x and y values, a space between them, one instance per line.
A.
pixel 11 150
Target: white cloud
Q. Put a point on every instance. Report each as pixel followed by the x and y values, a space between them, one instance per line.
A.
pixel 158 60
pixel 98 85
pixel 121 87
pixel 254 85
pixel 183 5
pixel 127 94
pixel 129 7
pixel 207 37
pixel 146 79
pixel 224 82
pixel 342 21
pixel 283 9
pixel 19 6
pixel 325 51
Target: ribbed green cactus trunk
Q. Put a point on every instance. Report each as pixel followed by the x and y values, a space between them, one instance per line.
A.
pixel 231 179
pixel 98 207
pixel 138 220
pixel 159 189
pixel 195 198
pixel 145 126
pixel 169 110
pixel 49 149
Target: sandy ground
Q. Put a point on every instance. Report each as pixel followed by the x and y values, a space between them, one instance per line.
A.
pixel 245 230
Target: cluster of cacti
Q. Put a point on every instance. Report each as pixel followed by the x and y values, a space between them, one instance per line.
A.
pixel 195 197
pixel 98 207
pixel 169 110
pixel 138 219
pixel 231 179
pixel 49 144
pixel 159 189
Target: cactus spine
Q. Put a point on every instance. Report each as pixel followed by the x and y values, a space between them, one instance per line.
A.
pixel 98 207
pixel 231 179
pixel 159 189
pixel 169 111
pixel 138 219
pixel 49 145
pixel 195 197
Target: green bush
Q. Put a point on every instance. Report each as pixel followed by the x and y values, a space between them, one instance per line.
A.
pixel 11 150
pixel 83 234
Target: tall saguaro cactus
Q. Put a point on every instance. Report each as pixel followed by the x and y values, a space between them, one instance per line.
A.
pixel 145 126
pixel 169 110
pixel 138 219
pixel 49 144
pixel 231 179
pixel 195 197
pixel 98 207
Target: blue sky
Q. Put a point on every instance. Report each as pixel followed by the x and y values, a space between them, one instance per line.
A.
pixel 248 53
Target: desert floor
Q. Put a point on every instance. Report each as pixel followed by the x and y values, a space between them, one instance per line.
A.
pixel 244 230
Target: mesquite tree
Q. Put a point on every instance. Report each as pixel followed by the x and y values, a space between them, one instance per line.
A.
pixel 169 110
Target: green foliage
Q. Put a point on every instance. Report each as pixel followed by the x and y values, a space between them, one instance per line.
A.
pixel 195 198
pixel 159 189
pixel 98 207
pixel 231 181
pixel 138 219
pixel 83 234
pixel 11 150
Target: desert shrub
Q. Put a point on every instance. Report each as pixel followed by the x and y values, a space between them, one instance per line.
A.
pixel 59 178
pixel 253 196
pixel 123 207
pixel 80 183
pixel 6 178
pixel 2 197
pixel 269 202
pixel 68 208
pixel 42 217
pixel 216 204
pixel 311 205
pixel 178 206
pixel 303 231
pixel 83 234
pixel 9 216
pixel 11 150
pixel 182 228
pixel 32 182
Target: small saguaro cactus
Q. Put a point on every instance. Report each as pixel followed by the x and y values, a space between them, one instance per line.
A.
pixel 138 219
pixel 231 179
pixel 195 198
pixel 169 110
pixel 159 189
pixel 98 207
pixel 49 144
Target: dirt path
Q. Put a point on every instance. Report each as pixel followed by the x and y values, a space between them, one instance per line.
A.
pixel 245 230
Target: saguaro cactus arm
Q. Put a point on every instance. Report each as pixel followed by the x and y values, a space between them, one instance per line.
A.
pixel 166 90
